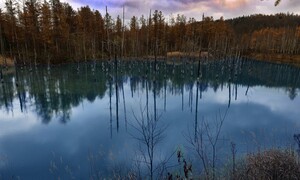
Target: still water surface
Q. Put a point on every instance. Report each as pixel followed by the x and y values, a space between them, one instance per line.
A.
pixel 75 121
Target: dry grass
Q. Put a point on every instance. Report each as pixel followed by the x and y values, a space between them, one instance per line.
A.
pixel 9 61
pixel 270 164
pixel 186 54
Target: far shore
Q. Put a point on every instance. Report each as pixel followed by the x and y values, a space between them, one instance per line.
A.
pixel 276 58
pixel 177 55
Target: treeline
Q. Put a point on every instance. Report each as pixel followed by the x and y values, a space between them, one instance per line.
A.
pixel 279 33
pixel 248 24
pixel 53 32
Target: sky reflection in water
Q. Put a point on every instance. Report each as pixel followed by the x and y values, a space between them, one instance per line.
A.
pixel 260 117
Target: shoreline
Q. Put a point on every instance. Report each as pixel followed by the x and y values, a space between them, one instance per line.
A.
pixel 276 58
pixel 188 57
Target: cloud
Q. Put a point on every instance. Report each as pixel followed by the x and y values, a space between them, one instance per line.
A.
pixel 231 4
pixel 193 8
pixel 110 3
pixel 188 1
pixel 291 6
pixel 190 8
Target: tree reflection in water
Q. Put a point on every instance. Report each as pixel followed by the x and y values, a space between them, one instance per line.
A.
pixel 54 92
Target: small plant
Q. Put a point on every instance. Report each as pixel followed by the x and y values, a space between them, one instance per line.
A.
pixel 182 163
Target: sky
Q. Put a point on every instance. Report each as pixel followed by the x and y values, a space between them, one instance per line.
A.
pixel 190 8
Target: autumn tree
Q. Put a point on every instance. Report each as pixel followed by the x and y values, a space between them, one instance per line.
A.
pixel 60 28
pixel 158 37
pixel 180 31
pixel 32 14
pixel 207 31
pixel 134 27
pixel 100 32
pixel 142 35
pixel 2 48
pixel 109 26
pixel 11 30
pixel 191 35
pixel 45 28
pixel 86 29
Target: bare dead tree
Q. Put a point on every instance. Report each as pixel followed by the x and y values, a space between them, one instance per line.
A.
pixel 149 133
pixel 110 104
pixel 205 142
pixel 116 88
pixel 233 153
pixel 1 75
pixel 124 105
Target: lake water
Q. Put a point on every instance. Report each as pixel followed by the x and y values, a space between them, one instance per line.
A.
pixel 84 121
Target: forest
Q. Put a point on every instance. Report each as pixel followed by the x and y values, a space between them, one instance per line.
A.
pixel 52 32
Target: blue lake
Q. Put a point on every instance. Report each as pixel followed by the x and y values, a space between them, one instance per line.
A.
pixel 83 121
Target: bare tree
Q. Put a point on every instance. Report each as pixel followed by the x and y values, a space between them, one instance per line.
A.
pixel 205 142
pixel 148 133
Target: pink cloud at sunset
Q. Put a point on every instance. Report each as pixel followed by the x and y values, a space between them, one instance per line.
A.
pixel 231 4
pixel 193 8
pixel 190 8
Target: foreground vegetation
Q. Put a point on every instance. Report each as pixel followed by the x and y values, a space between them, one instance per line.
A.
pixel 53 32
pixel 270 164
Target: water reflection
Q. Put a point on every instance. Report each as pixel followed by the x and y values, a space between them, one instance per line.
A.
pixel 96 102
pixel 55 92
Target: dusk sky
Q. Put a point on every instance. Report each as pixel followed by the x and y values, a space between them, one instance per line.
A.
pixel 190 8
